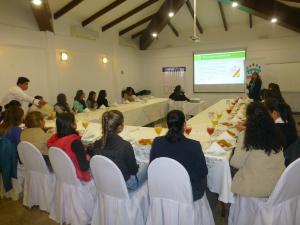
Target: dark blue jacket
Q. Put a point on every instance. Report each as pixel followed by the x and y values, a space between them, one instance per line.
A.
pixel 8 162
pixel 189 154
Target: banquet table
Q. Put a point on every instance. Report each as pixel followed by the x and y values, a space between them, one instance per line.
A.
pixel 138 113
pixel 219 175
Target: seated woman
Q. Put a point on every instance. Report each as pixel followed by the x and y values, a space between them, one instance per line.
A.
pixel 79 103
pixel 35 134
pixel 178 94
pixel 61 105
pixel 284 120
pixel 46 110
pixel 102 99
pixel 259 158
pixel 112 146
pixel 68 140
pixel 128 95
pixel 185 151
pixel 9 128
pixel 91 101
pixel 11 104
pixel 276 91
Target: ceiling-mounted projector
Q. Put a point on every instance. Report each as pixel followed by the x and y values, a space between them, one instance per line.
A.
pixel 195 38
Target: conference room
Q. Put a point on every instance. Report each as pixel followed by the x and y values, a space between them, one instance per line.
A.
pixel 149 112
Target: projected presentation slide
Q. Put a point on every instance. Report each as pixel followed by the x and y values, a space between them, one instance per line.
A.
pixel 221 68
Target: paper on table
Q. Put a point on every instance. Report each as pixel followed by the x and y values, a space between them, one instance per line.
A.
pixel 216 149
pixel 225 136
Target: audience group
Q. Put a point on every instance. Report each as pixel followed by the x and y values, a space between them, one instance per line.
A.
pixel 265 142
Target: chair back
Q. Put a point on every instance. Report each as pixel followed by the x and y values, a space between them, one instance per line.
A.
pixel 63 166
pixel 288 185
pixel 32 158
pixel 108 177
pixel 168 179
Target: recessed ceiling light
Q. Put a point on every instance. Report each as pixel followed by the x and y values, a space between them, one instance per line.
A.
pixel 171 14
pixel 37 2
pixel 235 4
pixel 104 60
pixel 274 20
pixel 64 56
pixel 154 35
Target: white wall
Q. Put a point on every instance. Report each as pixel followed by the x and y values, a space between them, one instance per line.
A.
pixel 265 44
pixel 26 51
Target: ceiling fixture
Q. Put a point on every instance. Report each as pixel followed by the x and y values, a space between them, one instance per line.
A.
pixel 154 35
pixel 171 14
pixel 194 37
pixel 64 56
pixel 104 60
pixel 235 4
pixel 274 20
pixel 37 2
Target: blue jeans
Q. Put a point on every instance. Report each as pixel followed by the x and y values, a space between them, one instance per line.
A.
pixel 135 181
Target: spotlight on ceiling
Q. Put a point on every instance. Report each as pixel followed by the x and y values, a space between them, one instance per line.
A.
pixel 235 4
pixel 37 2
pixel 154 35
pixel 274 20
pixel 171 14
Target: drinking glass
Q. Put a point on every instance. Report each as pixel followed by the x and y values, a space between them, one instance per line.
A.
pixel 53 115
pixel 188 129
pixel 85 124
pixel 210 130
pixel 158 129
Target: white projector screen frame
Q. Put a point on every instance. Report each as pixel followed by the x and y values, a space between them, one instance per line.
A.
pixel 219 88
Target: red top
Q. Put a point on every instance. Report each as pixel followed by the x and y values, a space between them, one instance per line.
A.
pixel 65 143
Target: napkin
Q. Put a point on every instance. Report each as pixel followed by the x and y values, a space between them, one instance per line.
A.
pixel 226 136
pixel 115 104
pixel 102 107
pixel 86 110
pixel 126 102
pixel 215 149
pixel 88 136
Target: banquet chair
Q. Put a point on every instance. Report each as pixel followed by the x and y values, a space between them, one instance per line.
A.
pixel 171 201
pixel 39 183
pixel 11 173
pixel 282 207
pixel 73 200
pixel 115 205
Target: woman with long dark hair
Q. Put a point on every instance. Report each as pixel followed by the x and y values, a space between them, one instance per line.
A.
pixel 254 87
pixel 10 127
pixel 284 120
pixel 102 99
pixel 68 140
pixel 79 103
pixel 276 91
pixel 91 100
pixel 186 151
pixel 61 105
pixel 112 146
pixel 260 158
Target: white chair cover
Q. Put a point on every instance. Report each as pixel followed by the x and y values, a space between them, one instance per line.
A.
pixel 17 190
pixel 282 207
pixel 115 206
pixel 73 200
pixel 171 201
pixel 178 105
pixel 39 182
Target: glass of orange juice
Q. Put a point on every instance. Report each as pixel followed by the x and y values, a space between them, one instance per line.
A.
pixel 158 129
pixel 53 115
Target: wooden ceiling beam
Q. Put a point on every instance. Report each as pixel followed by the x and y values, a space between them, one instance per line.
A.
pixel 128 14
pixel 173 29
pixel 101 12
pixel 43 16
pixel 66 8
pixel 223 16
pixel 191 10
pixel 287 16
pixel 250 21
pixel 137 34
pixel 159 22
pixel 146 19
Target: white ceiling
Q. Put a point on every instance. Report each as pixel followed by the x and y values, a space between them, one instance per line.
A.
pixel 208 13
